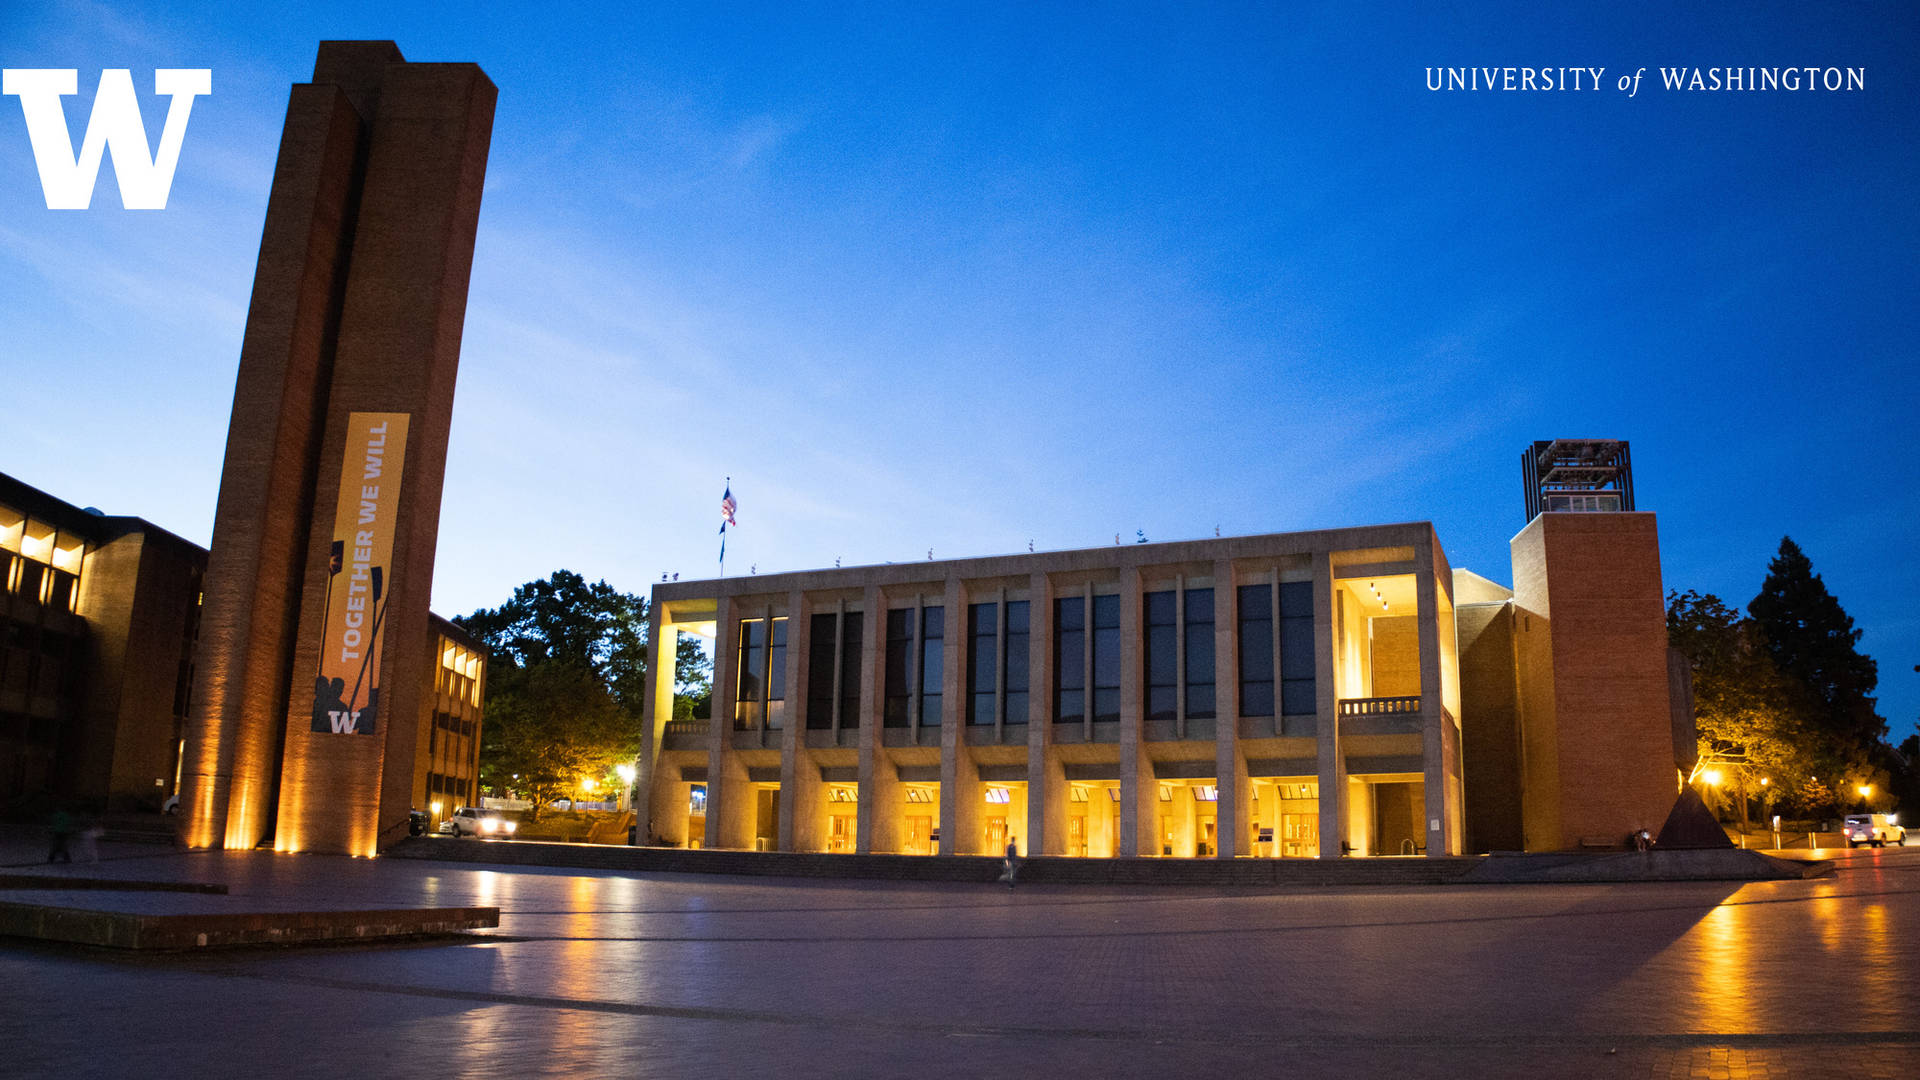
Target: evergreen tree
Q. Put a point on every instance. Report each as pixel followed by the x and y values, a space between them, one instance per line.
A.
pixel 1812 641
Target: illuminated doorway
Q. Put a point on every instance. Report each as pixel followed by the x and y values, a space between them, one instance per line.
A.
pixel 843 812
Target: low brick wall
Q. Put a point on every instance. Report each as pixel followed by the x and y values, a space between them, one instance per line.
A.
pixel 121 930
pixel 1052 870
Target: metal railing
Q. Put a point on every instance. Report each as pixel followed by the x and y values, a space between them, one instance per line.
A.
pixel 1379 706
pixel 686 727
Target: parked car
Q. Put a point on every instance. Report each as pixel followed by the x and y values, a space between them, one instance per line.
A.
pixel 473 821
pixel 1875 829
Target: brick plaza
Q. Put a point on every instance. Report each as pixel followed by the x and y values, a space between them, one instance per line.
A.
pixel 593 974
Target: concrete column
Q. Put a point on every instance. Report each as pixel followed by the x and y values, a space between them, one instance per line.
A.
pixel 658 710
pixel 961 793
pixel 1046 776
pixel 1235 806
pixel 726 652
pixel 1138 791
pixel 1332 761
pixel 877 821
pixel 1433 744
pixel 802 809
pixel 1233 814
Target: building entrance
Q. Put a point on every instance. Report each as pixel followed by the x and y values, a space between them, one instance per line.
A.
pixel 1093 819
pixel 843 811
pixel 766 826
pixel 922 832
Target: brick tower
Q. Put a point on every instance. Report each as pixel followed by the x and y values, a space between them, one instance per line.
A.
pixel 315 622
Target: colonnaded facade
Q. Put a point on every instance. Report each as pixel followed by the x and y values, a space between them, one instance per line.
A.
pixel 1327 693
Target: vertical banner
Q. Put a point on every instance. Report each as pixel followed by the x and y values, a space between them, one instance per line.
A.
pixel 346 690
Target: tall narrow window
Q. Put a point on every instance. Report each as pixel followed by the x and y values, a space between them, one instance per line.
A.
pixel 1106 659
pixel 899 666
pixel 1296 649
pixel 933 623
pixel 1015 657
pixel 851 625
pixel 1069 659
pixel 820 642
pixel 1199 631
pixel 1163 670
pixel 1256 650
pixel 983 635
pixel 777 675
pixel 753 657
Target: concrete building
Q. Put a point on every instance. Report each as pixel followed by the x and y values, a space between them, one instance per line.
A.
pixel 1302 694
pixel 98 625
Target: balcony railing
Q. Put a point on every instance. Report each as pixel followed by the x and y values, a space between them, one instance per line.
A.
pixel 686 727
pixel 1380 706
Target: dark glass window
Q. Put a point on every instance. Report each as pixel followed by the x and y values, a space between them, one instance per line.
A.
pixel 1163 670
pixel 1297 696
pixel 899 666
pixel 983 633
pixel 820 635
pixel 933 623
pixel 30 573
pixel 1016 656
pixel 60 590
pixel 850 637
pixel 1199 631
pixel 777 675
pixel 1106 658
pixel 1256 650
pixel 753 658
pixel 1069 659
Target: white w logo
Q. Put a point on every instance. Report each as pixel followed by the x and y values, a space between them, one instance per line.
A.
pixel 66 180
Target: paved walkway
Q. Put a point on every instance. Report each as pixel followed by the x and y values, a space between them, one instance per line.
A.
pixel 597 974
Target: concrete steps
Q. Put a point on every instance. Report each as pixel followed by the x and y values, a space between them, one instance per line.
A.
pixel 141 829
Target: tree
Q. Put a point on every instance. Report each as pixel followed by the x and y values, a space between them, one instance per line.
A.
pixel 1743 709
pixel 562 618
pixel 567 683
pixel 1812 641
pixel 693 680
pixel 548 725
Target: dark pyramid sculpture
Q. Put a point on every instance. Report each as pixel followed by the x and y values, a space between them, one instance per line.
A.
pixel 1691 826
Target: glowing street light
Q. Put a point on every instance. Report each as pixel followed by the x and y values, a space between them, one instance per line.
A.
pixel 1866 791
pixel 1712 777
pixel 626 772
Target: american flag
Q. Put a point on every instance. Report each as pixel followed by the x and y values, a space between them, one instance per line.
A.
pixel 727 506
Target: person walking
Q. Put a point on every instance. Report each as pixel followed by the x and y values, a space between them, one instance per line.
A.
pixel 59 828
pixel 1012 867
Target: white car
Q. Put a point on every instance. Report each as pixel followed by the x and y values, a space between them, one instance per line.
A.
pixel 1876 829
pixel 473 821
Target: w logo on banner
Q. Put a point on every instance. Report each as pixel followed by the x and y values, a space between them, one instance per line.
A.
pixel 67 180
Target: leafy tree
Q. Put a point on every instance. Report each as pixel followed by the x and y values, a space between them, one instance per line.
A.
pixel 548 725
pixel 693 680
pixel 1743 708
pixel 564 619
pixel 567 683
pixel 1812 641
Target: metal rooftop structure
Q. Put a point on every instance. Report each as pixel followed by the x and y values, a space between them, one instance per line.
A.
pixel 1577 475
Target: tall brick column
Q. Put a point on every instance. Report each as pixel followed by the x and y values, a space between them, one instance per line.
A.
pixel 358 306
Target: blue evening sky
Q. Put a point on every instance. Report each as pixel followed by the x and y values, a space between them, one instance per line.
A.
pixel 967 277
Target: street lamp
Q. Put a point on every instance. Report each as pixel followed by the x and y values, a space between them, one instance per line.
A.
pixel 1712 777
pixel 626 772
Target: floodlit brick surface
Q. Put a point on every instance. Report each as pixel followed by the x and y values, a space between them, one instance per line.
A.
pixel 1594 676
